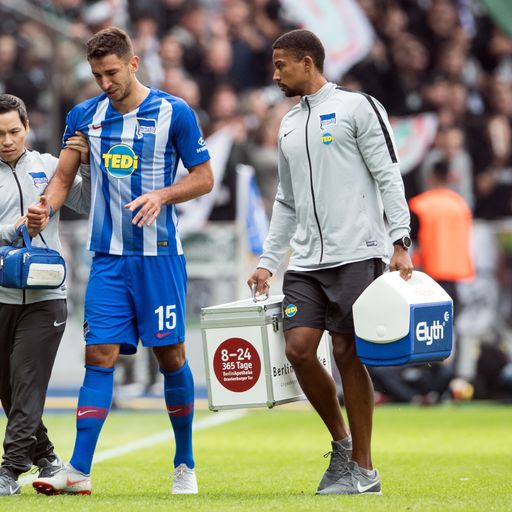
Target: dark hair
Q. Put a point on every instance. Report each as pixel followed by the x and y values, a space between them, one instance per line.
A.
pixel 10 103
pixel 301 43
pixel 109 41
pixel 441 171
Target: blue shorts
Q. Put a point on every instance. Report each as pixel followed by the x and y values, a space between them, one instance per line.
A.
pixel 135 297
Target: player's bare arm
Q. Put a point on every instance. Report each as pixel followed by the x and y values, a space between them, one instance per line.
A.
pixel 80 143
pixel 198 182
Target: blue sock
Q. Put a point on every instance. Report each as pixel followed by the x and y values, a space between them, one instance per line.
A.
pixel 94 402
pixel 179 398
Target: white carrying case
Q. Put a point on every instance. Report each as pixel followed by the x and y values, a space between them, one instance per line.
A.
pixel 244 355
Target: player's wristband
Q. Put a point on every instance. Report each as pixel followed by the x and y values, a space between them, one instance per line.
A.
pixel 51 212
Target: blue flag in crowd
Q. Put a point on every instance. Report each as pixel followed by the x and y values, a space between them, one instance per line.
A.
pixel 256 218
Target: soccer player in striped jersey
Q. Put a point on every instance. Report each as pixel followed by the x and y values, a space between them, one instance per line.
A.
pixel 137 283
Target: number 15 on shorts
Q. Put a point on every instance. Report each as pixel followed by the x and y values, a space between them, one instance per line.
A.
pixel 166 317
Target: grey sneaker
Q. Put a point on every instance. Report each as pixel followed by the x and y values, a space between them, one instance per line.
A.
pixel 354 481
pixel 339 462
pixel 8 483
pixel 48 467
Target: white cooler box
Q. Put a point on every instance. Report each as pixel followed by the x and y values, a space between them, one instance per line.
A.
pixel 244 354
pixel 401 322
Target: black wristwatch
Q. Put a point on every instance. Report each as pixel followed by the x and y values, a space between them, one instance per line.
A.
pixel 404 242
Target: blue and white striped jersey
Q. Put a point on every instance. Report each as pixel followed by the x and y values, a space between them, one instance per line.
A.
pixel 132 154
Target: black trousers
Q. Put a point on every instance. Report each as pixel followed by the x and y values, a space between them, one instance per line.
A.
pixel 30 335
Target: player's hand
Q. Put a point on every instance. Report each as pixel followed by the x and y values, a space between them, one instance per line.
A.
pixel 79 143
pixel 401 261
pixel 38 216
pixel 20 221
pixel 260 280
pixel 150 205
pixel 32 232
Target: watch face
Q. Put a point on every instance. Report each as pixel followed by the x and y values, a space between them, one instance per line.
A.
pixel 404 242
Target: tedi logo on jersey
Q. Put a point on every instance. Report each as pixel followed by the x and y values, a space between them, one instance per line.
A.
pixel 145 126
pixel 120 161
pixel 327 138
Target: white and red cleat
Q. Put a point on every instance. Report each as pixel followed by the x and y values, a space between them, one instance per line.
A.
pixel 65 481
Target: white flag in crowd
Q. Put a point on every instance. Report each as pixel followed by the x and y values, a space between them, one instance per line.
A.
pixel 342 27
pixel 414 136
pixel 194 214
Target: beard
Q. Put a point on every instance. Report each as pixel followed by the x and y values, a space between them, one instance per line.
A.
pixel 123 93
pixel 289 92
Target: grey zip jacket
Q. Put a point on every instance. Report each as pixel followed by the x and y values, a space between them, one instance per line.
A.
pixel 338 175
pixel 20 187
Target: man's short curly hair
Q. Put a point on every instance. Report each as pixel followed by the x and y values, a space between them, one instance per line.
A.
pixel 301 43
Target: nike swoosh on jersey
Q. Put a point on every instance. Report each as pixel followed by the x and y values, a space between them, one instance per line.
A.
pixel 162 334
pixel 57 324
pixel 288 133
pixel 96 126
pixel 364 488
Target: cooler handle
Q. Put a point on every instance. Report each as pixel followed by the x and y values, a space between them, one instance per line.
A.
pixel 260 298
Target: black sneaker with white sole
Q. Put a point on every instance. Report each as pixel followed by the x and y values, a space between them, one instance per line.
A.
pixel 49 466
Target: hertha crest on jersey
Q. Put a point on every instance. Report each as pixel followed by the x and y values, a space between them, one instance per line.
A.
pixel 327 120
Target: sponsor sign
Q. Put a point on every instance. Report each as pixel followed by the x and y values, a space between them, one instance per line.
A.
pixel 120 161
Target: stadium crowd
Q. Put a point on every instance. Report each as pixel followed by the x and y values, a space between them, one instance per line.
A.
pixel 443 56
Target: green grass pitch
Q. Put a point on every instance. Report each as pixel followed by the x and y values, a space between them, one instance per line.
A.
pixel 446 458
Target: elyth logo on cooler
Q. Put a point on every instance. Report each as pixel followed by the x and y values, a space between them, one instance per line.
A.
pixel 430 333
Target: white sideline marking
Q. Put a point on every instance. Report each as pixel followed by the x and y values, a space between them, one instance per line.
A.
pixel 210 421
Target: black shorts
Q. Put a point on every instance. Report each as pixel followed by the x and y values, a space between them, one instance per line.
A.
pixel 323 299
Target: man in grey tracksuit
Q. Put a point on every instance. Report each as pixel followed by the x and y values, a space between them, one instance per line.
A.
pixel 338 175
pixel 31 321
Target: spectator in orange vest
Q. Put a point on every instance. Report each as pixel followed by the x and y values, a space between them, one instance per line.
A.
pixel 441 224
